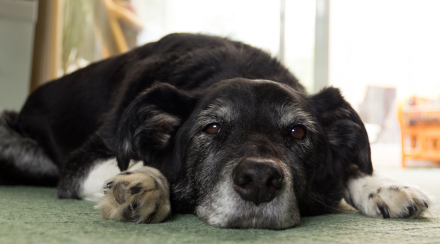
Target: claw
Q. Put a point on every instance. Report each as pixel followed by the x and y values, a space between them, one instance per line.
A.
pixel 107 187
pixel 384 211
pixel 136 189
pixel 412 209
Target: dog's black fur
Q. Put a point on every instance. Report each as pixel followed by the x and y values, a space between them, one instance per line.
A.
pixel 159 102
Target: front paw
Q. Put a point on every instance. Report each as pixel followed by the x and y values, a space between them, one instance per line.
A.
pixel 140 196
pixel 397 201
pixel 378 196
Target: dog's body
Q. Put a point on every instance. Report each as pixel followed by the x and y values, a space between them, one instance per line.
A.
pixel 233 135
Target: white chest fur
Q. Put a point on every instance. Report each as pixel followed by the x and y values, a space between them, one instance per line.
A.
pixel 91 188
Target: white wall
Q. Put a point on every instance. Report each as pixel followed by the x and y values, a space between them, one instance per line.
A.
pixel 255 22
pixel 388 43
pixel 17 22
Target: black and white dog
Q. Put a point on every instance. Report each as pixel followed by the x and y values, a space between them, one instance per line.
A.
pixel 198 124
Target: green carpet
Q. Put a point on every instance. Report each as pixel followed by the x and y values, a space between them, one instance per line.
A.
pixel 35 215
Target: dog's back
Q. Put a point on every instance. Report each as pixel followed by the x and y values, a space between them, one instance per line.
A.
pixel 61 115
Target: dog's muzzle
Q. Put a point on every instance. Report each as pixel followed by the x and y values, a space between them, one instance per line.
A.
pixel 257 180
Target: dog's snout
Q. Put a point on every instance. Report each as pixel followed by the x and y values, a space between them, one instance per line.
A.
pixel 257 181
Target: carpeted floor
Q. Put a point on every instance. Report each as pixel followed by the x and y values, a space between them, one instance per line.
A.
pixel 35 215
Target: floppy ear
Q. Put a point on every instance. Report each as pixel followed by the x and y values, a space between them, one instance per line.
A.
pixel 149 123
pixel 344 129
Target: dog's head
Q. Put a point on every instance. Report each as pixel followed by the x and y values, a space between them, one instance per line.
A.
pixel 246 153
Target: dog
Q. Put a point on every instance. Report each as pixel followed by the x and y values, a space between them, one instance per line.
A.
pixel 198 124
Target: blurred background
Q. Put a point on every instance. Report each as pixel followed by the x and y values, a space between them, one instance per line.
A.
pixel 384 55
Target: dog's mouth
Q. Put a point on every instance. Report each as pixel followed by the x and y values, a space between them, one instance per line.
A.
pixel 276 214
pixel 258 195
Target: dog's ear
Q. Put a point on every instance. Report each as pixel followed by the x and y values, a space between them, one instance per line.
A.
pixel 345 131
pixel 149 123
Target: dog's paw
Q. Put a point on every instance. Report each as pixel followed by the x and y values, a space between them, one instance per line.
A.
pixel 397 201
pixel 140 196
pixel 381 197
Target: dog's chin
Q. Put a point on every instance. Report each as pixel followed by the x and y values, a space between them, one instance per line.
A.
pixel 224 208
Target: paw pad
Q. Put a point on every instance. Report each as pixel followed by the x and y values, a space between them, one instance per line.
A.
pixel 140 196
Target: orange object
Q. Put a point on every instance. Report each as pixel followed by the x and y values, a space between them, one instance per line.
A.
pixel 420 129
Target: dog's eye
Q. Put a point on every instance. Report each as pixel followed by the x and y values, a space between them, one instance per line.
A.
pixel 298 132
pixel 213 128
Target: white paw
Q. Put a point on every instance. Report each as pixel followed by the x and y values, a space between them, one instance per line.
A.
pixel 381 197
pixel 140 196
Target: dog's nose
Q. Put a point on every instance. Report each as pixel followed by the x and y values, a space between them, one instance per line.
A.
pixel 257 181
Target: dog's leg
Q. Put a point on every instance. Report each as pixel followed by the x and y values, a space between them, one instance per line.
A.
pixel 378 196
pixel 140 196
